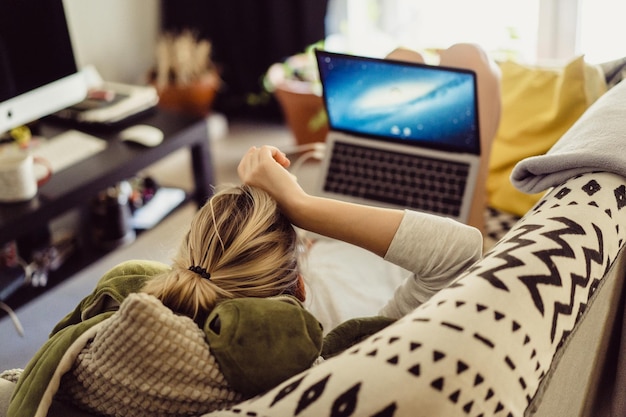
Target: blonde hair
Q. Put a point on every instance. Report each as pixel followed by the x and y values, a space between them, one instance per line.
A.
pixel 247 247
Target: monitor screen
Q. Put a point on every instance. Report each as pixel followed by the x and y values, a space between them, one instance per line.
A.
pixel 418 104
pixel 38 73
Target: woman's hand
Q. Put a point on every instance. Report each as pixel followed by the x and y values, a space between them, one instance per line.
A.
pixel 266 168
pixel 369 227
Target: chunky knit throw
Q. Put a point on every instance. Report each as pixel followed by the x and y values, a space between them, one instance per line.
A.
pixel 147 361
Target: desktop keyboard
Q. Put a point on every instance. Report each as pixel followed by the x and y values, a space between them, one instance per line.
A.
pixel 68 148
pixel 410 181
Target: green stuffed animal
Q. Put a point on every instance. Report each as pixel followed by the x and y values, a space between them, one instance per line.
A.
pixel 260 342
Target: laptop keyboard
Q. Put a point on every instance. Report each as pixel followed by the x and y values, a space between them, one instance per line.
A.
pixel 411 181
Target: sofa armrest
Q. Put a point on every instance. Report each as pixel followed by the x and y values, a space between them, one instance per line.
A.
pixel 579 383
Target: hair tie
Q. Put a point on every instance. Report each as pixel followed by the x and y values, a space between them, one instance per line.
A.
pixel 200 271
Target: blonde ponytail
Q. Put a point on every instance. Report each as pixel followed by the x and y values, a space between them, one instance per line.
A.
pixel 239 245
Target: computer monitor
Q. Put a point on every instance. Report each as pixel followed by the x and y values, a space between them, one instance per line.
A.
pixel 38 72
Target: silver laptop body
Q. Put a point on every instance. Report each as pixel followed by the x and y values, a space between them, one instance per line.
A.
pixel 401 134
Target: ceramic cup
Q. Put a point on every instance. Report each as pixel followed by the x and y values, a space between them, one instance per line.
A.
pixel 18 179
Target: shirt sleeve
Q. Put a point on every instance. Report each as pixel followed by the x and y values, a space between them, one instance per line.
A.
pixel 435 249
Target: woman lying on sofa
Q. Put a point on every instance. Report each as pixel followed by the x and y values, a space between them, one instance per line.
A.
pixel 240 246
pixel 435 249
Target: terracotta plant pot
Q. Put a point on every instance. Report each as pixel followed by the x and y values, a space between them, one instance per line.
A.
pixel 195 98
pixel 301 110
pixel 302 106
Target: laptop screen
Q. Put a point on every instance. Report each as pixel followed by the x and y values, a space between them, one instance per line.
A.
pixel 419 104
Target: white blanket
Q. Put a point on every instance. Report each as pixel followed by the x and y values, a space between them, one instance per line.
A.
pixel 596 142
pixel 344 281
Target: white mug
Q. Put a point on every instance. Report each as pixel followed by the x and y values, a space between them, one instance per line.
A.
pixel 18 180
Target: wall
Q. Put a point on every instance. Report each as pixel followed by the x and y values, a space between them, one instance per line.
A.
pixel 118 37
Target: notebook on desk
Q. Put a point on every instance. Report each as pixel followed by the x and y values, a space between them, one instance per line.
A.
pixel 401 134
pixel 110 105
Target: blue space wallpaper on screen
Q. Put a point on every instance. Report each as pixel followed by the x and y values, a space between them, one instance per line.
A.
pixel 405 102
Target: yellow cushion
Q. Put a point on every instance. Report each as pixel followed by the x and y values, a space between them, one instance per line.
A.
pixel 538 106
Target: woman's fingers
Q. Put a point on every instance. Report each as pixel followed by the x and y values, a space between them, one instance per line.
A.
pixel 263 167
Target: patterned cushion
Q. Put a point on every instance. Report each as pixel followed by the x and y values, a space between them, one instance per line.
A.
pixel 485 345
pixel 539 104
pixel 497 224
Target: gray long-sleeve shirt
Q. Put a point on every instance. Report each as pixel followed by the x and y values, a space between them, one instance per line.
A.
pixel 435 250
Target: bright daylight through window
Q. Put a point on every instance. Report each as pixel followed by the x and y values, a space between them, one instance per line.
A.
pixel 531 31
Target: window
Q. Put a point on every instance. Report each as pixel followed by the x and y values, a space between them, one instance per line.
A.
pixel 507 28
pixel 529 30
pixel 602 33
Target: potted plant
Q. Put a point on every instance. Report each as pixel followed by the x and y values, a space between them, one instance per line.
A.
pixel 185 76
pixel 296 86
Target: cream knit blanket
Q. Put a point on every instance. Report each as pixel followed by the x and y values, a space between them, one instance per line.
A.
pixel 147 361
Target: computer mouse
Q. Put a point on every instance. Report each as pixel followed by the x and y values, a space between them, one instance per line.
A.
pixel 145 135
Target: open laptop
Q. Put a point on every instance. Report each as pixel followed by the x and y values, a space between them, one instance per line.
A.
pixel 401 134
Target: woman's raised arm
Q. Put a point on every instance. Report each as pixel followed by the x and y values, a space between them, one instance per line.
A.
pixel 371 228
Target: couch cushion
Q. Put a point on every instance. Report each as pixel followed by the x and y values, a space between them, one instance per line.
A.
pixel 539 104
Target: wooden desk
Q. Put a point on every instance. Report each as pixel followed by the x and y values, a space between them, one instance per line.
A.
pixel 75 186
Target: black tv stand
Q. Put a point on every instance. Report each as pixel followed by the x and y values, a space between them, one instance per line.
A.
pixel 75 187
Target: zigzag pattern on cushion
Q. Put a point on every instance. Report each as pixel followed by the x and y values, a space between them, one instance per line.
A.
pixel 482 346
pixel 597 239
